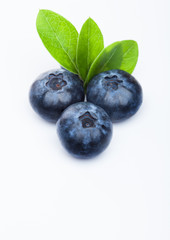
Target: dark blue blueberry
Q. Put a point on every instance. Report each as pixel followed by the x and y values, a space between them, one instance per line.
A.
pixel 53 91
pixel 117 92
pixel 84 129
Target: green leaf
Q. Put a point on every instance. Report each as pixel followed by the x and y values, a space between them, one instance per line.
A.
pixel 119 55
pixel 59 36
pixel 109 58
pixel 130 55
pixel 90 44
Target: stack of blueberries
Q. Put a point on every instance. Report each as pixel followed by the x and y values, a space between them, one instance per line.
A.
pixel 84 117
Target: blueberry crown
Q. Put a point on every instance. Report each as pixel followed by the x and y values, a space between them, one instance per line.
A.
pixel 56 82
pixel 112 82
pixel 87 120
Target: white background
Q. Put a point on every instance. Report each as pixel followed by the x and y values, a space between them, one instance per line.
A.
pixel 123 194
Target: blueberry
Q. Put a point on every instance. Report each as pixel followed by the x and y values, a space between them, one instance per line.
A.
pixel 84 129
pixel 117 92
pixel 53 91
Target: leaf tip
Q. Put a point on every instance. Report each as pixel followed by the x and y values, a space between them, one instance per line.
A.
pixel 39 14
pixel 91 19
pixel 134 42
pixel 41 11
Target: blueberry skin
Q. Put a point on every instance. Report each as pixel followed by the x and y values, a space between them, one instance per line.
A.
pixel 117 92
pixel 53 91
pixel 84 129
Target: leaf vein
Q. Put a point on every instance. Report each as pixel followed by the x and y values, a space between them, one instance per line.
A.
pixel 59 42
